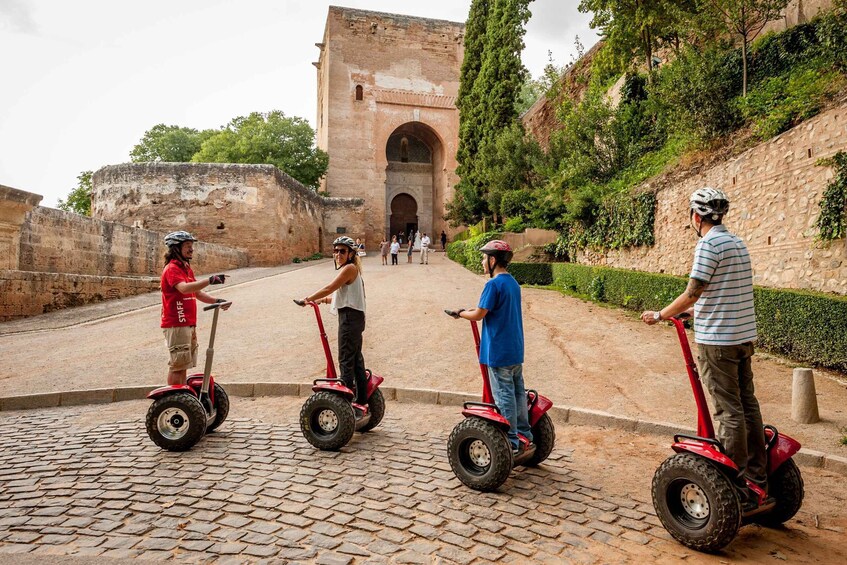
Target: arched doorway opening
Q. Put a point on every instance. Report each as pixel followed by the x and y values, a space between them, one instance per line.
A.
pixel 404 215
pixel 415 161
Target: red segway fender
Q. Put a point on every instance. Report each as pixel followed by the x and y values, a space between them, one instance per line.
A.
pixel 332 385
pixel 373 383
pixel 705 450
pixel 781 451
pixel 538 406
pixel 162 391
pixel 485 412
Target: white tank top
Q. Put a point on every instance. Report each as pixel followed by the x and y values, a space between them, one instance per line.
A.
pixel 350 296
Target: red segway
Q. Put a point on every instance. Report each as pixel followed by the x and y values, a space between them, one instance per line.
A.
pixel 181 414
pixel 694 493
pixel 478 449
pixel 329 417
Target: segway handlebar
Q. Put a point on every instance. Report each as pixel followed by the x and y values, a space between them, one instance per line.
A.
pixel 217 305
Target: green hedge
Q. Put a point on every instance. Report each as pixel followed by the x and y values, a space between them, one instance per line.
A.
pixel 808 327
pixel 466 252
pixel 532 273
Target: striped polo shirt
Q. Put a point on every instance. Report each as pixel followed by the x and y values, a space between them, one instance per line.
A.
pixel 724 314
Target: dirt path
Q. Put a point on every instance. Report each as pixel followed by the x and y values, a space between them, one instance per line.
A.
pixel 577 353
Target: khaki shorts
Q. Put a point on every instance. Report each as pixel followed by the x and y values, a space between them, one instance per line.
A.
pixel 182 345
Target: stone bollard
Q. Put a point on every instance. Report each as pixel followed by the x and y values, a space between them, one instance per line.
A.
pixel 804 401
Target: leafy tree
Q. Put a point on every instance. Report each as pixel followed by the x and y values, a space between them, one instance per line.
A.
pixel 79 199
pixel 490 81
pixel 632 26
pixel 170 144
pixel 747 18
pixel 271 138
pixel 511 163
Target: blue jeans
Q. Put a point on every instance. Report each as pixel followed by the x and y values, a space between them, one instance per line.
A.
pixel 510 397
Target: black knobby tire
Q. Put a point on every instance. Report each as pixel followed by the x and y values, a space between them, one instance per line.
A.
pixel 471 443
pixel 221 407
pixel 786 486
pixel 327 421
pixel 176 422
pixel 376 408
pixel 544 438
pixel 683 481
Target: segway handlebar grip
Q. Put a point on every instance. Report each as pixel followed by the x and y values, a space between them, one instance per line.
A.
pixel 217 305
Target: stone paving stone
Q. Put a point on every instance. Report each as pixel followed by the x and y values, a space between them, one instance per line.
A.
pixel 257 492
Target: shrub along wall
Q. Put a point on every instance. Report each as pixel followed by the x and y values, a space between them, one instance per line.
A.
pixel 805 326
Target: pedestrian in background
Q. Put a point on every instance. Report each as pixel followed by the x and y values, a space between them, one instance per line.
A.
pixel 395 250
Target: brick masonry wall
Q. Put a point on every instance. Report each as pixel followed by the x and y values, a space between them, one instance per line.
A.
pixel 24 293
pixel 255 208
pixel 775 191
pixel 54 241
pixel 408 69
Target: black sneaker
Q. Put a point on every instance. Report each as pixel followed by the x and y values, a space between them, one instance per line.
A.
pixel 520 449
pixel 752 506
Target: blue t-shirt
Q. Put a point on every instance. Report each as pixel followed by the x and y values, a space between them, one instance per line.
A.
pixel 501 343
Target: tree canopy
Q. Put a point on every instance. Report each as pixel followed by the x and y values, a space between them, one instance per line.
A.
pixel 169 144
pixel 79 199
pixel 271 138
pixel 491 79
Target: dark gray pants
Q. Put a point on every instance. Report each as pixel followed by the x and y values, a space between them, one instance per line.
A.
pixel 351 364
pixel 728 376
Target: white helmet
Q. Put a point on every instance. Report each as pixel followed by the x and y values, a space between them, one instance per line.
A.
pixel 709 202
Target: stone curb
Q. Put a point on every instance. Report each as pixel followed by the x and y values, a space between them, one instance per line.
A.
pixel 563 414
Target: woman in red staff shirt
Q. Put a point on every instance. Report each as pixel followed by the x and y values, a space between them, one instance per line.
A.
pixel 179 307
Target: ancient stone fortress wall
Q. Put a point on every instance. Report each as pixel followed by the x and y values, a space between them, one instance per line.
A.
pixel 52 259
pixel 255 208
pixel 381 75
pixel 53 241
pixel 775 190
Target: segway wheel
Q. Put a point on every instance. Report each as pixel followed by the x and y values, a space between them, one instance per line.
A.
pixel 544 438
pixel 327 421
pixel 376 408
pixel 697 504
pixel 221 408
pixel 786 486
pixel 176 422
pixel 479 454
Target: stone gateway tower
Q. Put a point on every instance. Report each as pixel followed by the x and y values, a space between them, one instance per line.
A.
pixel 387 116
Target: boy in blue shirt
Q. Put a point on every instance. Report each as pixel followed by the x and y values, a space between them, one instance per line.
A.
pixel 501 344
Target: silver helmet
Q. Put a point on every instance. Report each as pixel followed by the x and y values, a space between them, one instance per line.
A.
pixel 178 237
pixel 344 240
pixel 709 202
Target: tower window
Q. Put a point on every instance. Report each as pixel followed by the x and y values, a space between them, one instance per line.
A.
pixel 359 92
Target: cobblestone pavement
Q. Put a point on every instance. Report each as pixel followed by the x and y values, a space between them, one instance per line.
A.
pixel 256 491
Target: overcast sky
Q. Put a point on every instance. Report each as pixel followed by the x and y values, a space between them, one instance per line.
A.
pixel 81 81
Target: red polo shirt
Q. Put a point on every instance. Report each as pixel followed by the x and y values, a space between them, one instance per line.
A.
pixel 177 309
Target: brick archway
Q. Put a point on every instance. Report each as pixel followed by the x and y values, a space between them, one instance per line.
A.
pixel 414 155
pixel 404 214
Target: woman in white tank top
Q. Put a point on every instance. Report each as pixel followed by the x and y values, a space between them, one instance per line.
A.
pixel 348 302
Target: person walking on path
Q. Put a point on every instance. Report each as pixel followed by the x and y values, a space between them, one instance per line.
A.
pixel 180 291
pixel 395 250
pixel 720 288
pixel 348 302
pixel 425 241
pixel 443 241
pixel 409 253
pixel 501 345
pixel 383 250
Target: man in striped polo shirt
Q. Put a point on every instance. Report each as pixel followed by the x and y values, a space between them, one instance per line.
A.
pixel 720 288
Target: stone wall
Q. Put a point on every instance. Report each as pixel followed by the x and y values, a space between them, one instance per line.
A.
pixel 407 71
pixel 344 216
pixel 24 293
pixel 14 206
pixel 775 191
pixel 54 241
pixel 254 208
